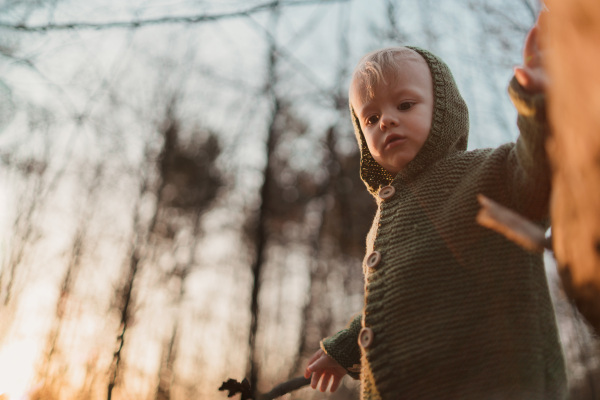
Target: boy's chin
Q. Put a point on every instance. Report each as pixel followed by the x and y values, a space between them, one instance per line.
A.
pixel 395 169
pixel 397 166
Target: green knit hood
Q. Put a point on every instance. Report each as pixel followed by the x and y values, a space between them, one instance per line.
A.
pixel 449 129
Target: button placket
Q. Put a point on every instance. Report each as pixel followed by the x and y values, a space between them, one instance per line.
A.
pixel 374 259
pixel 386 192
pixel 366 337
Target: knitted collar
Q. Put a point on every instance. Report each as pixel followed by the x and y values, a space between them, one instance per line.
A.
pixel 449 130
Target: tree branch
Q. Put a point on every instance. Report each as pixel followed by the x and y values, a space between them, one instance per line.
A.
pixel 511 225
pixel 234 387
pixel 163 20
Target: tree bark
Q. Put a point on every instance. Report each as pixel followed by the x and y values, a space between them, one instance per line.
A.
pixel 572 33
pixel 261 229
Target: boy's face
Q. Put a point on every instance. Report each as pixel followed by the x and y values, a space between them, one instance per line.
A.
pixel 396 119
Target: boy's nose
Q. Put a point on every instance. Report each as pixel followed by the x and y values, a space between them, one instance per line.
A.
pixel 388 121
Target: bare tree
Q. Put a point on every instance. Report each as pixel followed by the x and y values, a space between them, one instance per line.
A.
pixel 185 181
pixel 193 19
pixel 52 368
pixel 260 232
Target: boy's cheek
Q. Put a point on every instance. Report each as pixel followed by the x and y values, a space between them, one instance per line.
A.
pixel 370 140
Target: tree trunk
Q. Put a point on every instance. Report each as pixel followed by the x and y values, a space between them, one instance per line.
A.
pixel 572 31
pixel 260 235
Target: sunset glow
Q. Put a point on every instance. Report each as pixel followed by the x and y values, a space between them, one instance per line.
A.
pixel 17 360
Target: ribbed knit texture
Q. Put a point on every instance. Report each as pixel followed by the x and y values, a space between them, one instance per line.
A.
pixel 458 311
pixel 343 347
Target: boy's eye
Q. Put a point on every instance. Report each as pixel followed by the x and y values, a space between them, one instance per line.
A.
pixel 405 105
pixel 372 119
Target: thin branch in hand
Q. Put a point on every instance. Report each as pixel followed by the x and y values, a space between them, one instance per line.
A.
pixel 234 387
pixel 512 225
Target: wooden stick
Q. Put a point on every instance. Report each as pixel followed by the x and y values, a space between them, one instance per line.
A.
pixel 512 225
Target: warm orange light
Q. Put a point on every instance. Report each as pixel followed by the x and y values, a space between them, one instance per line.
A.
pixel 16 369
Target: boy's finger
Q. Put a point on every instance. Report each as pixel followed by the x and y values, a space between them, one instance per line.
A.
pixel 315 380
pixel 533 36
pixel 313 367
pixel 315 356
pixel 531 79
pixel 532 48
pixel 335 383
pixel 522 76
pixel 325 382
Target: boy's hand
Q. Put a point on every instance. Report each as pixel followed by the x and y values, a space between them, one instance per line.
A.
pixel 324 368
pixel 531 75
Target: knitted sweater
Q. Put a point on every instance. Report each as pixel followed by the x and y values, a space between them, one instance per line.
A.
pixel 454 310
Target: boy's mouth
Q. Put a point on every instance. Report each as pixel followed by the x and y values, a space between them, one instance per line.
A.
pixel 393 140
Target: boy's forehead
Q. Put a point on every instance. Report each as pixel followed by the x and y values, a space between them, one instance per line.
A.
pixel 371 75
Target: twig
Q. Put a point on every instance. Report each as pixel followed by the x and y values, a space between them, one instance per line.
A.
pixel 247 393
pixel 162 20
pixel 512 225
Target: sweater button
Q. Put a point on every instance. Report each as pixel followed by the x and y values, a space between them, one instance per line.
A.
pixel 365 338
pixel 386 192
pixel 373 259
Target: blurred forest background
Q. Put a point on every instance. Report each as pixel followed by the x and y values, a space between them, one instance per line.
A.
pixel 179 190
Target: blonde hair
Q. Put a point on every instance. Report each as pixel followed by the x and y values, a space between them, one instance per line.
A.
pixel 373 67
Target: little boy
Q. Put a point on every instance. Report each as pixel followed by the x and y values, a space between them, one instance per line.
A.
pixel 452 310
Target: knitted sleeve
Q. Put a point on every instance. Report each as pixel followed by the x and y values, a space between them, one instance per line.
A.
pixel 343 347
pixel 530 185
